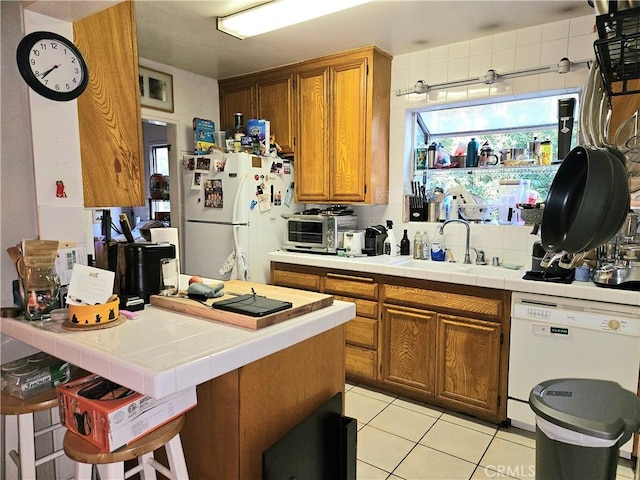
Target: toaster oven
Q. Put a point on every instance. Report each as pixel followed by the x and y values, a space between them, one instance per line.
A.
pixel 316 233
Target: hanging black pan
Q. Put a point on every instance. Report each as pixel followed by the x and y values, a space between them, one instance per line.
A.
pixel 619 202
pixel 578 201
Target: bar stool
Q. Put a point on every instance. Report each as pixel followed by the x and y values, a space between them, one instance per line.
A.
pixel 111 465
pixel 25 456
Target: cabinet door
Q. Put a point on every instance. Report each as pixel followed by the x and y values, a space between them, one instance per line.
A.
pixel 348 107
pixel 469 362
pixel 236 97
pixel 275 103
pixel 408 348
pixel 312 138
pixel 109 117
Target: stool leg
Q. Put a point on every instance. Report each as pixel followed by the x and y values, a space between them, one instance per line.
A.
pixel 27 446
pixel 148 472
pixel 177 463
pixel 11 468
pixel 84 471
pixel 111 471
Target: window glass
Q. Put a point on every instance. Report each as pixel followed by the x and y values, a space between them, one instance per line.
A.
pixel 504 126
pixel 160 159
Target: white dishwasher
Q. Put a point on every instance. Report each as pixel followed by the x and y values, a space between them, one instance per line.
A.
pixel 554 337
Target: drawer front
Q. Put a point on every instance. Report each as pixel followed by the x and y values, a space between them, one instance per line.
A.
pixel 361 362
pixel 363 287
pixel 422 298
pixel 304 281
pixel 362 332
pixel 364 308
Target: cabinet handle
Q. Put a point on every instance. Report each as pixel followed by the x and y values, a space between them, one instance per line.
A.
pixel 349 277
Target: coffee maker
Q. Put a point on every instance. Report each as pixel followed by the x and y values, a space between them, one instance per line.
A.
pixel 374 237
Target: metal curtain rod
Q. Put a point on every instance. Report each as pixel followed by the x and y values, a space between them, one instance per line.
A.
pixel 564 66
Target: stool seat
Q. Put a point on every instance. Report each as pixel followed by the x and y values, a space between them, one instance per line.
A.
pixel 43 401
pixel 167 435
pixel 78 449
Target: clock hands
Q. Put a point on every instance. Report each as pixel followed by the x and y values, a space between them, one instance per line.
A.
pixel 49 71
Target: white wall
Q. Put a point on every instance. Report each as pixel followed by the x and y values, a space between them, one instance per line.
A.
pixel 17 187
pixel 193 96
pixel 506 52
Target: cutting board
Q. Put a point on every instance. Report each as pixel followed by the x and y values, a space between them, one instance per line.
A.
pixel 303 302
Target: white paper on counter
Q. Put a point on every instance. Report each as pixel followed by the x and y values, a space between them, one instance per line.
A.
pixel 90 285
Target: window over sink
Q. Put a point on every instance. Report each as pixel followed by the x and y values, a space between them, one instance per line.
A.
pixel 510 128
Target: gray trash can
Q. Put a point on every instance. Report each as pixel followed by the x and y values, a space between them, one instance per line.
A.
pixel 580 426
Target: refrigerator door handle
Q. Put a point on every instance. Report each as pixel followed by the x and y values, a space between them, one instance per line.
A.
pixel 234 214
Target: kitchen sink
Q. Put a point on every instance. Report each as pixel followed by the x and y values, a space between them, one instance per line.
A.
pixel 454 267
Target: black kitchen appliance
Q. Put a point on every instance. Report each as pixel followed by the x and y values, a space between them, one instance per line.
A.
pixel 566 108
pixel 142 268
pixel 374 237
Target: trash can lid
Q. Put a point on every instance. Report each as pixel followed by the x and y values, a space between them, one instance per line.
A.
pixel 599 408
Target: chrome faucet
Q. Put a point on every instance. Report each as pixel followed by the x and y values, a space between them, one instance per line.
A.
pixel 467 257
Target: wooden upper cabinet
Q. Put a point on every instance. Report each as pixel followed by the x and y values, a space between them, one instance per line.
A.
pixel 109 116
pixel 333 114
pixel 355 124
pixel 236 97
pixel 348 166
pixel 275 103
pixel 312 169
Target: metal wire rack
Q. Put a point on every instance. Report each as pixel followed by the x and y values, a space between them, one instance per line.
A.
pixel 618 51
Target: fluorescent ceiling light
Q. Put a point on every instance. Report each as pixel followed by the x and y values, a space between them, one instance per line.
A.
pixel 278 14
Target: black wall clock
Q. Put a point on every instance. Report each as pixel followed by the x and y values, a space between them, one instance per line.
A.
pixel 52 66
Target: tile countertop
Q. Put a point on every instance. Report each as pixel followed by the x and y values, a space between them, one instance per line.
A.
pixel 480 275
pixel 162 352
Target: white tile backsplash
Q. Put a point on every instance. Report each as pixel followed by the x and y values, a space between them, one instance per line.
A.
pixel 503 41
pixel 439 54
pixel 581 48
pixel 479 64
pixel 459 50
pixel 458 69
pixel 554 50
pixel 555 30
pixel 504 60
pixel 582 25
pixel 529 36
pixel 480 45
pixel 528 56
pixel 437 73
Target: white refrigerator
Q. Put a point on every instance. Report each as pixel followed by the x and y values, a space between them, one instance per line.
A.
pixel 232 205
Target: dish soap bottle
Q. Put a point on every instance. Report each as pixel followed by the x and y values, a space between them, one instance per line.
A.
pixel 417 246
pixel 438 252
pixel 390 242
pixel 426 247
pixel 405 244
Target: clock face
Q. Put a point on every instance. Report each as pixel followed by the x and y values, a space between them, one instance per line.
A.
pixel 52 66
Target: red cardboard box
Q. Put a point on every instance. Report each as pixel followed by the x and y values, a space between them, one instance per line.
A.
pixel 111 416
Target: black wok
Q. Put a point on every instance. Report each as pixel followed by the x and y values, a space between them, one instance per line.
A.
pixel 578 201
pixel 619 203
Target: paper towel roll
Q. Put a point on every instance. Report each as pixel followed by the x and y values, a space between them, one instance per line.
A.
pixel 170 235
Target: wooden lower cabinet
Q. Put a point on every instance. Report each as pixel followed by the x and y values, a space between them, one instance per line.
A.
pixel 468 363
pixel 433 342
pixel 409 348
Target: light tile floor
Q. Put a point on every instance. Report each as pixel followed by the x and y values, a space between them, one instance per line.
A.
pixel 400 439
